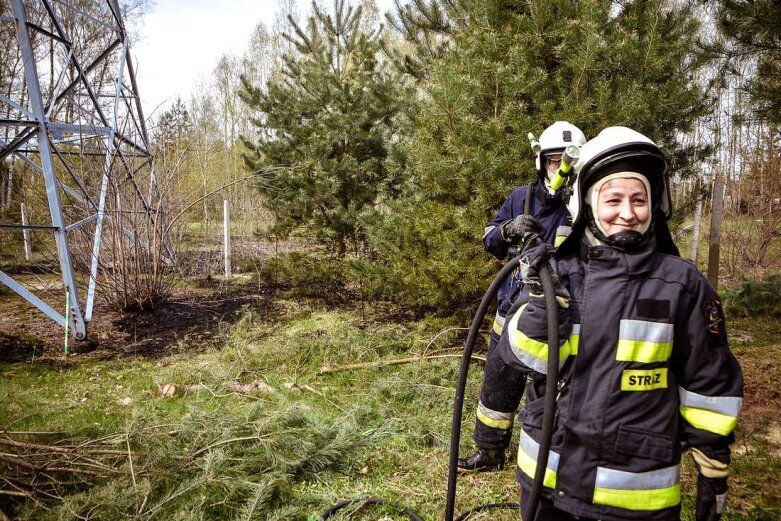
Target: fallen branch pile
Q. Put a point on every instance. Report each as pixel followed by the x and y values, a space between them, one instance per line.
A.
pixel 34 467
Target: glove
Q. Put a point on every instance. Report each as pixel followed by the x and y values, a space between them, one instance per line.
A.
pixel 530 262
pixel 712 472
pixel 520 228
pixel 711 498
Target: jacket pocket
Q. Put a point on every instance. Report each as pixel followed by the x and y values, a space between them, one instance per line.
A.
pixel 531 414
pixel 644 444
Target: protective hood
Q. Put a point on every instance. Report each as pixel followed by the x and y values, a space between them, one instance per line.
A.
pixel 621 149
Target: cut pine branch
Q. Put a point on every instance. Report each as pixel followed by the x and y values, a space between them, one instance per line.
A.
pixel 384 363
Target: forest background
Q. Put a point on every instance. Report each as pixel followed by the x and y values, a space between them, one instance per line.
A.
pixel 363 154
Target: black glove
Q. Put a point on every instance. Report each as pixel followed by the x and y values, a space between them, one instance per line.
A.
pixel 530 262
pixel 711 498
pixel 520 228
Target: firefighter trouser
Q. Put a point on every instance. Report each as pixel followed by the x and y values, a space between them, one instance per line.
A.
pixel 500 396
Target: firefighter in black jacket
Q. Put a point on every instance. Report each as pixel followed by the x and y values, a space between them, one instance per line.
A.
pixel 548 218
pixel 645 369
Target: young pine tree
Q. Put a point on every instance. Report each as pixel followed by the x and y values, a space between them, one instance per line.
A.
pixel 330 118
pixel 517 67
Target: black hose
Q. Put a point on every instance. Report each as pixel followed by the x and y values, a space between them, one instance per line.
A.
pixel 551 389
pixel 458 405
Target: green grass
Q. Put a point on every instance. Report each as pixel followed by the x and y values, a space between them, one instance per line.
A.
pixel 310 441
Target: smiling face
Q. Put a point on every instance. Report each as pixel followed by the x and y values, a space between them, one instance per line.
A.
pixel 623 205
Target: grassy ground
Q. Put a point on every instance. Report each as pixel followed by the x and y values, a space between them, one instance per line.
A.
pixel 250 431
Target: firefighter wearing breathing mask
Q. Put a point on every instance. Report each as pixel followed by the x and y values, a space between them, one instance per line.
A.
pixel 547 218
pixel 645 369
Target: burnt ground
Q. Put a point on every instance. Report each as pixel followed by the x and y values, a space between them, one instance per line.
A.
pixel 194 311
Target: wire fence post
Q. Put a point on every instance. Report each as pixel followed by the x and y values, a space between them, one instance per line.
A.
pixel 714 244
pixel 67 318
pixel 227 237
pixel 696 233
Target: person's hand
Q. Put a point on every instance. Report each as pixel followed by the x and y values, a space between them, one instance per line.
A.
pixel 519 228
pixel 530 262
pixel 711 498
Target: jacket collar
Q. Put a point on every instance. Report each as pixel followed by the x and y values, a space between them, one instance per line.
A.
pixel 637 261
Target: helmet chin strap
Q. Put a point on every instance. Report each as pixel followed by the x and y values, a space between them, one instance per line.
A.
pixel 623 240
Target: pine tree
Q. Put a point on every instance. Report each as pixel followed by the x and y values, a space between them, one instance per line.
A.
pixel 330 118
pixel 516 68
pixel 173 127
pixel 755 26
pixel 428 27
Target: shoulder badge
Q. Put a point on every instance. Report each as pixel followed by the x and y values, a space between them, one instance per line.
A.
pixel 714 315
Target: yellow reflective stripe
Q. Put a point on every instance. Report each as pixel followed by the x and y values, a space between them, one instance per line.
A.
pixel 643 341
pixel 495 419
pixel 643 351
pixel 496 424
pixel 638 499
pixel 528 451
pixel 651 490
pixel 529 467
pixel 498 326
pixel 644 380
pixel 709 421
pixel 574 339
pixel 532 353
pixel 562 232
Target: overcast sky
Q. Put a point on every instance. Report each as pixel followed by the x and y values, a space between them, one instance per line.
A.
pixel 180 42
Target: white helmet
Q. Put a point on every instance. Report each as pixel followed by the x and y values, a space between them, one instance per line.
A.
pixel 556 138
pixel 616 149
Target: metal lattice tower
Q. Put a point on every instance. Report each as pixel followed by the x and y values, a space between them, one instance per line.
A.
pixel 70 115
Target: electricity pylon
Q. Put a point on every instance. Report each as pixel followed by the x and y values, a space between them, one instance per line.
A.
pixel 71 114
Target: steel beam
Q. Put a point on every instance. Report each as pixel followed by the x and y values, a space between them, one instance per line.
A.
pixel 47 161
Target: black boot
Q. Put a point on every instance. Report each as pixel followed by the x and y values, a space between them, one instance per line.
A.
pixel 486 460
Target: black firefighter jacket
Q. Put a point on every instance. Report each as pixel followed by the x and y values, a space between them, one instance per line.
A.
pixel 645 372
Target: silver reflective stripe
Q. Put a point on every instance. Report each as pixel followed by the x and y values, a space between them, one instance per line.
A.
pixel 655 332
pixel 532 449
pixel 563 231
pixel 727 405
pixel 654 479
pixel 494 415
pixel 499 321
pixel 488 230
pixel 575 330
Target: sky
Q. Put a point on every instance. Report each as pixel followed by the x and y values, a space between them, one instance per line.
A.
pixel 180 41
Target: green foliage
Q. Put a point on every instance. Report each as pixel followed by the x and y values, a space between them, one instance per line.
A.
pixel 310 441
pixel 219 464
pixel 307 275
pixel 330 118
pixel 757 298
pixel 755 27
pixel 173 128
pixel 431 255
pixel 516 68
